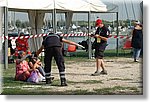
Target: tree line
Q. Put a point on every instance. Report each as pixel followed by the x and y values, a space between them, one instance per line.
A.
pixel 48 23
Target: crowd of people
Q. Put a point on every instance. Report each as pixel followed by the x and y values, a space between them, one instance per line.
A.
pixel 30 68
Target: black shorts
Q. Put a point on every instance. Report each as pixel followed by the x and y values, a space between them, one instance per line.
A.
pixel 99 51
pixel 99 54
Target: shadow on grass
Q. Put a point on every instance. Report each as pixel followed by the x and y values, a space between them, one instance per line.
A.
pixel 104 91
pixel 10 81
pixel 12 87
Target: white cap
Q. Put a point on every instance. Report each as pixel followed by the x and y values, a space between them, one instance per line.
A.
pixel 137 22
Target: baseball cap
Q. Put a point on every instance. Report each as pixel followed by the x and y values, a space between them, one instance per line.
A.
pixel 137 22
pixel 98 21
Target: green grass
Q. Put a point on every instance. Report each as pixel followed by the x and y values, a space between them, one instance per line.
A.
pixel 121 53
pixel 107 53
pixel 86 82
pixel 117 90
pixel 12 87
pixel 125 79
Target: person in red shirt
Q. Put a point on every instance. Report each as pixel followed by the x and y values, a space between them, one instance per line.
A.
pixel 22 43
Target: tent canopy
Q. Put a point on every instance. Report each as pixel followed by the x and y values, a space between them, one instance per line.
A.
pixel 33 7
pixel 36 10
pixel 62 5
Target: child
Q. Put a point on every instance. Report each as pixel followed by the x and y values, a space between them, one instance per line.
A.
pixel 35 63
pixel 22 68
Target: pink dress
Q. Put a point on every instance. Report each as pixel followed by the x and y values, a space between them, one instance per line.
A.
pixel 21 68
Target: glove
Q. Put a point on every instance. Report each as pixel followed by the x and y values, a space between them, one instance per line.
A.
pixel 81 46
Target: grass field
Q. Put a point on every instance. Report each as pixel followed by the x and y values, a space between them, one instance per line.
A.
pixel 12 87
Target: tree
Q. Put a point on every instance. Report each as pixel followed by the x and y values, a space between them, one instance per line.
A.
pixel 23 25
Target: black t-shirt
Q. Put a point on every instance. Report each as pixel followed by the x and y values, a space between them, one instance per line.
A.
pixel 104 32
pixel 137 39
pixel 52 40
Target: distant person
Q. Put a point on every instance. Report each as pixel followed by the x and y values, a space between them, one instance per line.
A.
pixel 11 48
pixel 11 52
pixel 52 46
pixel 101 36
pixel 137 41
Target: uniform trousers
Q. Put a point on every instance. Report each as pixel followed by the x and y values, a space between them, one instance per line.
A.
pixel 55 52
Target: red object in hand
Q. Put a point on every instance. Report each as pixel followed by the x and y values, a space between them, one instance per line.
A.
pixel 71 48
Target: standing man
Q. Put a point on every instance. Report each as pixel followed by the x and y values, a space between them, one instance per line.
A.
pixel 52 46
pixel 101 36
pixel 137 40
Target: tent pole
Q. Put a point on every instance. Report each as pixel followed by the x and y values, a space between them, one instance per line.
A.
pixel 89 38
pixel 54 19
pixel 6 40
pixel 1 33
pixel 141 7
pixel 55 25
pixel 117 35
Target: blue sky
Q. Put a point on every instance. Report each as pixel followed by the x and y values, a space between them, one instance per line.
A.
pixel 132 7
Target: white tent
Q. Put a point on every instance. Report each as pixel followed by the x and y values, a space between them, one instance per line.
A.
pixel 37 8
pixel 64 5
pixel 68 6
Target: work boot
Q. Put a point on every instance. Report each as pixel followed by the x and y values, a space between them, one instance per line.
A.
pixel 48 81
pixel 63 82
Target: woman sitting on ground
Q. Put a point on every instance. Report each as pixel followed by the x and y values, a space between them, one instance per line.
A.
pixel 22 68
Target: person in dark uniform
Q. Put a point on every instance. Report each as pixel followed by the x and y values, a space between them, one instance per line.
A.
pixel 101 36
pixel 52 46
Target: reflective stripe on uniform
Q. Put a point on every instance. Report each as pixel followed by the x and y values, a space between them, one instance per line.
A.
pixel 47 74
pixel 62 76
pixel 61 72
